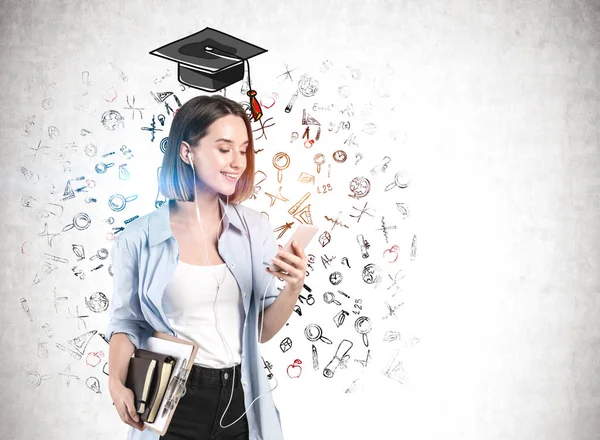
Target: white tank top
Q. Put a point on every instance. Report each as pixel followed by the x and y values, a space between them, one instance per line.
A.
pixel 188 304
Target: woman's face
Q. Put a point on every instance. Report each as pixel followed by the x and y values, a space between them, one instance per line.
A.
pixel 222 151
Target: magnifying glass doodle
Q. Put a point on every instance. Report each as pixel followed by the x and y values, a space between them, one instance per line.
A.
pixel 281 167
pixel 117 202
pixel 363 326
pixel 401 180
pixel 329 298
pixel 313 332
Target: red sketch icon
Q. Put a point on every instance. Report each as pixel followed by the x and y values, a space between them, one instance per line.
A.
pixel 294 370
pixel 393 250
pixel 93 358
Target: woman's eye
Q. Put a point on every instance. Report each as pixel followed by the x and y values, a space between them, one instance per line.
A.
pixel 224 151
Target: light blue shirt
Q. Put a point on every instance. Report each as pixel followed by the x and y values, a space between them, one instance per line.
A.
pixel 144 258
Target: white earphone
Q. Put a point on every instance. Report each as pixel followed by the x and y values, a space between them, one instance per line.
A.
pixel 189 154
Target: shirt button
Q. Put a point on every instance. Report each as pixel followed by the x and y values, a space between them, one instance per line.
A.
pixel 244 293
pixel 226 376
pixel 244 383
pixel 232 266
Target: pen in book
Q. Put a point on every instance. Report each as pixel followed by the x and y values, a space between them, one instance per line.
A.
pixel 172 387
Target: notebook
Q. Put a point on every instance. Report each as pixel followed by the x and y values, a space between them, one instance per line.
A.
pixel 184 353
pixel 140 377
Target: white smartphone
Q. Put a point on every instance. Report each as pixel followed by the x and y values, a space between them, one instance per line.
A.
pixel 303 234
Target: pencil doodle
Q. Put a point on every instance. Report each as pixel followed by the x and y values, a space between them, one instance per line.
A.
pixel 413 248
pixel 357 306
pixel 315 358
pixel 298 310
pixel 25 308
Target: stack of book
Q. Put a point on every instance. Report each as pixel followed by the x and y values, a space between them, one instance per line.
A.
pixel 148 376
pixel 154 374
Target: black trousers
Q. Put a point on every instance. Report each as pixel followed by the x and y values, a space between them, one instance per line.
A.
pixel 199 411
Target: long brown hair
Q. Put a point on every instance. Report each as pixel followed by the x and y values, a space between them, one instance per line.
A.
pixel 190 124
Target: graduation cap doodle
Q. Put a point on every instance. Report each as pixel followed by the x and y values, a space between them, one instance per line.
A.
pixel 211 60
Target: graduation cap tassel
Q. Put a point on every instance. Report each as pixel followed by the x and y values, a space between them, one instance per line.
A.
pixel 254 104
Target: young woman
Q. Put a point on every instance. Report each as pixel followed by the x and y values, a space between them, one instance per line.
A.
pixel 197 268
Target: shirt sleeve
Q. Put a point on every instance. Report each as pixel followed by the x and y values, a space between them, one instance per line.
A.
pixel 125 314
pixel 269 250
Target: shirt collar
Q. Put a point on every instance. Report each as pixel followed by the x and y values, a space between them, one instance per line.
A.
pixel 159 226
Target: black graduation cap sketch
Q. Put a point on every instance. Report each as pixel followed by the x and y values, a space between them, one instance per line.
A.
pixel 211 60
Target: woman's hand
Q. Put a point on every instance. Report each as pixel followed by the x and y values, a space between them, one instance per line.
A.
pixel 123 400
pixel 294 267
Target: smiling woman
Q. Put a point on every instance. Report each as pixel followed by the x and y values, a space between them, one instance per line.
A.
pixel 198 274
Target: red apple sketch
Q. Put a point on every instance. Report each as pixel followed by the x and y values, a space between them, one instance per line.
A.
pixel 393 250
pixel 294 370
pixel 92 359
